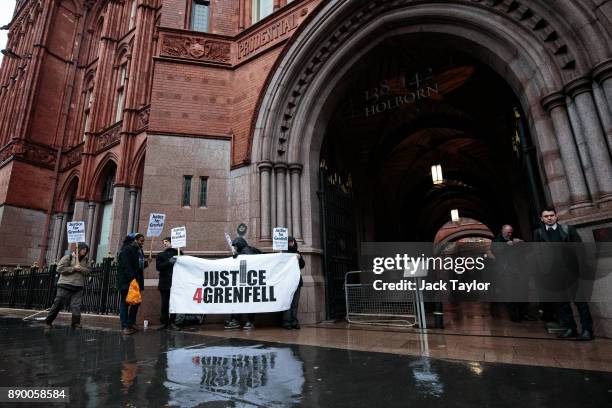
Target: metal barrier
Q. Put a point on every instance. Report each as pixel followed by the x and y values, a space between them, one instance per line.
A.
pixel 34 288
pixel 365 305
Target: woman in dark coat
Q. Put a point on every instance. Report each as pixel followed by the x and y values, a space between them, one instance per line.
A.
pixel 131 265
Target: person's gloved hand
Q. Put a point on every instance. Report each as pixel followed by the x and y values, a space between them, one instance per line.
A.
pixel 173 259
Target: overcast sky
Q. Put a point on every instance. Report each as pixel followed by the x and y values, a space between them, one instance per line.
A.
pixel 6 12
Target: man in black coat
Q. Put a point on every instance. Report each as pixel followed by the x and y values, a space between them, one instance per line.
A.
pixel 130 265
pixel 566 262
pixel 241 247
pixel 290 320
pixel 164 266
pixel 507 260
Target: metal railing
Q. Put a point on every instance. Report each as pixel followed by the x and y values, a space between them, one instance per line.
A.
pixel 34 288
pixel 366 305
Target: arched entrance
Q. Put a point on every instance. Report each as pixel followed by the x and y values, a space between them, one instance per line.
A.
pixel 497 80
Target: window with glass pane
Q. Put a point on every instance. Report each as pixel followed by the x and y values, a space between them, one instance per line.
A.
pixel 199 15
pixel 121 92
pixel 88 100
pixel 261 9
pixel 133 14
pixel 186 191
pixel 203 190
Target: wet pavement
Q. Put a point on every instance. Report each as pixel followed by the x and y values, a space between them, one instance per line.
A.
pixel 156 369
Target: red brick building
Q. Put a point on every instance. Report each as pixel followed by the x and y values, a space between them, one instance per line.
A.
pixel 321 116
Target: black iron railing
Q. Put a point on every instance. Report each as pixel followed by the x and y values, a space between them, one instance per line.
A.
pixel 34 288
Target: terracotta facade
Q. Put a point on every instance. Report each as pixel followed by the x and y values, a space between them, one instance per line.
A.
pixel 123 90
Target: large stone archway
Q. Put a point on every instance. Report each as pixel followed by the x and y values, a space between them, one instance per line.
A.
pixel 562 77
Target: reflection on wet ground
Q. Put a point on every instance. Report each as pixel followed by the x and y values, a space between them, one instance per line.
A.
pixel 151 369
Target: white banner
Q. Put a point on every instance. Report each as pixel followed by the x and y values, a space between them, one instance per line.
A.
pixel 156 224
pixel 245 284
pixel 280 239
pixel 76 231
pixel 178 237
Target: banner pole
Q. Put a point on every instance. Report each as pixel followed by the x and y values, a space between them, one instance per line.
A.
pixel 151 249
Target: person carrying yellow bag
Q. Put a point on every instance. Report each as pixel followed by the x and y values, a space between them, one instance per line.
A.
pixel 130 269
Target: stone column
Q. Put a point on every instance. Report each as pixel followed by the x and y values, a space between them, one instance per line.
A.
pixel 137 211
pixel 583 149
pixel 265 168
pixel 91 210
pixel 579 195
pixel 62 234
pixel 580 91
pixel 132 210
pixel 551 170
pixel 603 96
pixel 79 211
pixel 280 171
pixel 93 244
pixel 605 114
pixel 119 218
pixel 295 170
pixel 57 233
pixel 602 73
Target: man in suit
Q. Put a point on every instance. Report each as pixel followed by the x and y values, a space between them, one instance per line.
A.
pixel 552 231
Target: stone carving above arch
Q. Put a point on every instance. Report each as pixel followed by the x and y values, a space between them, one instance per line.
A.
pixel 195 48
pixel 517 11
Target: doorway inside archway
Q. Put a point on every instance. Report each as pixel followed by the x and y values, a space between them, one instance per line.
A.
pixel 411 103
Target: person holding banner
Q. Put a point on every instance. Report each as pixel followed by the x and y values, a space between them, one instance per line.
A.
pixel 290 320
pixel 72 269
pixel 164 265
pixel 241 247
pixel 131 265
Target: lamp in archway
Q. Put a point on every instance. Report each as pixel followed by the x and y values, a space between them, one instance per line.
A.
pixel 436 174
pixel 455 215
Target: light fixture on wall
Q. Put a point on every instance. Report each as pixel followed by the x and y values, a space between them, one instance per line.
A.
pixel 436 174
pixel 454 215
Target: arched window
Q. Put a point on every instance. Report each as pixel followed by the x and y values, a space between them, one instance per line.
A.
pixel 261 9
pixel 133 8
pixel 200 11
pixel 122 77
pixel 63 246
pixel 87 107
pixel 95 40
pixel 106 213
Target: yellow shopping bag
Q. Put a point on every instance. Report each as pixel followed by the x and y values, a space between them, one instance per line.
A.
pixel 133 296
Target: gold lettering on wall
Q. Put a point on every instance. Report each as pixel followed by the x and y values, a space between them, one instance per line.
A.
pixel 275 31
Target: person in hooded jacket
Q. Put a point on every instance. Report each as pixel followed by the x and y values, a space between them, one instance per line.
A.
pixel 164 265
pixel 242 248
pixel 290 320
pixel 130 265
pixel 72 269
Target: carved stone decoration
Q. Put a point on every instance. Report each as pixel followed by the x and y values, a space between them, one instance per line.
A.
pixel 6 153
pixel 515 10
pixel 36 154
pixel 40 155
pixel 143 115
pixel 108 138
pixel 191 47
pixel 72 157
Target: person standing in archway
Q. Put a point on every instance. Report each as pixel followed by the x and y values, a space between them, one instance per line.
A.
pixel 507 260
pixel 563 262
